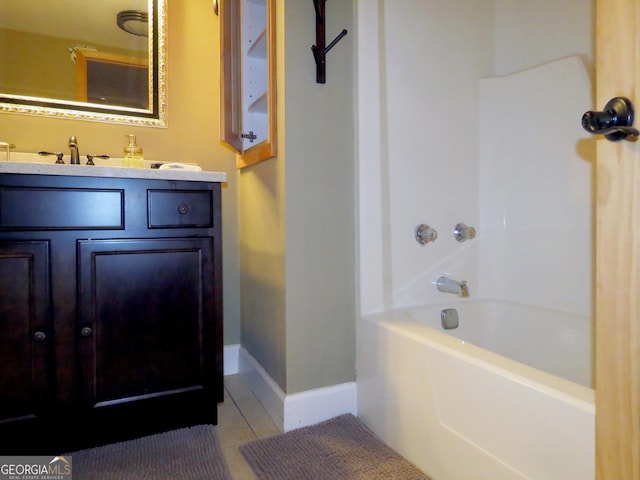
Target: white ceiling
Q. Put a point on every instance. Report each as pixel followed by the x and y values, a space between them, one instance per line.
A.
pixel 89 22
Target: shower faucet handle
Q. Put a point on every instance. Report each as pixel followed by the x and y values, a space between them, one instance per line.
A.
pixel 461 232
pixel 425 234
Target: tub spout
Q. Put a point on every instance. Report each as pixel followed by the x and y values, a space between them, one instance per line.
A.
pixel 447 285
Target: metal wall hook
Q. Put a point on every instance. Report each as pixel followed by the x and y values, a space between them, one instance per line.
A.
pixel 614 122
pixel 320 49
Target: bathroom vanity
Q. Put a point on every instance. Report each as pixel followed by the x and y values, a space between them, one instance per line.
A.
pixel 110 304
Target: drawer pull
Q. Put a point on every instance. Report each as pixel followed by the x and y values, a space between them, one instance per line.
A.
pixel 39 336
pixel 86 332
pixel 180 208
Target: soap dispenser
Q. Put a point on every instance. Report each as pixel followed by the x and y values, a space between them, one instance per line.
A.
pixel 133 153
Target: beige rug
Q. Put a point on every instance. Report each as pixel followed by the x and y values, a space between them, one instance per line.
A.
pixel 191 453
pixel 341 448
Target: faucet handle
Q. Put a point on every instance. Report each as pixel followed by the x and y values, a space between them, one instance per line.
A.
pixel 91 156
pixel 425 234
pixel 57 154
pixel 461 232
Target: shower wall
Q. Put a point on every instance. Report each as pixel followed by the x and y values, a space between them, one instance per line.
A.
pixel 535 175
pixel 426 149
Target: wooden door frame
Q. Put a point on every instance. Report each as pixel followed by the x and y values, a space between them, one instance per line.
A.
pixel 617 277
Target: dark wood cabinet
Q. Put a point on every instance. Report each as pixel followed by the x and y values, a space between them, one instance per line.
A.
pixel 164 347
pixel 110 309
pixel 25 331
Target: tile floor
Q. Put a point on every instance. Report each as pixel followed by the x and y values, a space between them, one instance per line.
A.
pixel 241 418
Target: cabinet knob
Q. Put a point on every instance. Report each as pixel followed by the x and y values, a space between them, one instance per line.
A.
pixel 86 332
pixel 39 336
pixel 183 208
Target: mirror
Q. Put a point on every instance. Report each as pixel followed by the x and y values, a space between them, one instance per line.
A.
pixel 100 60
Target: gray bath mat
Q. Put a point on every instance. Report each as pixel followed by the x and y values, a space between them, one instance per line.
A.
pixel 341 448
pixel 191 453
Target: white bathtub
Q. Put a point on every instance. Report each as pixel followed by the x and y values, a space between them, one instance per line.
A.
pixel 459 411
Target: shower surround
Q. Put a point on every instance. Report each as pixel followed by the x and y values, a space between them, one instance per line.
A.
pixel 483 128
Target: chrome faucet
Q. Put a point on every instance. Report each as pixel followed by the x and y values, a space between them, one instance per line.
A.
pixel 75 154
pixel 446 285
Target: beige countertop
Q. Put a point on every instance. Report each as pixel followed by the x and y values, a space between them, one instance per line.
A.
pixel 28 164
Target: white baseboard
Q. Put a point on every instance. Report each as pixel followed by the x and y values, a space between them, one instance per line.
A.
pixel 299 409
pixel 263 387
pixel 230 355
pixel 313 406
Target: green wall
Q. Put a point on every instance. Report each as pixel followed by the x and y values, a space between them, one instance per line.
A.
pixel 296 214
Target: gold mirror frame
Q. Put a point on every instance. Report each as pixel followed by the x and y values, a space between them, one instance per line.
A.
pixel 155 116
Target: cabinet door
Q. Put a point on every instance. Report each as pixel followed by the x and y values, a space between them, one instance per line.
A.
pixel 248 87
pixel 146 323
pixel 25 331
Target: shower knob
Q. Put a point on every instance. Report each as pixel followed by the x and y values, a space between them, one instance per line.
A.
pixel 462 233
pixel 614 122
pixel 425 234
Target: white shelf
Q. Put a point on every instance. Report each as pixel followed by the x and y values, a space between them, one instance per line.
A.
pixel 260 105
pixel 258 48
pixel 247 87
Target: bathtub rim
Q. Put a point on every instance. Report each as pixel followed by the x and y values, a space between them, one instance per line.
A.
pixel 456 301
pixel 399 321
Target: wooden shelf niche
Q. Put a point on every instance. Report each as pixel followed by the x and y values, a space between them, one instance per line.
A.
pixel 248 86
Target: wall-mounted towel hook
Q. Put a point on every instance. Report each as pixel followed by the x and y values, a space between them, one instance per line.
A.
pixel 320 49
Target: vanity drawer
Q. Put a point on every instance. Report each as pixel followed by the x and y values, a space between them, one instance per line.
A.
pixel 180 208
pixel 29 208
